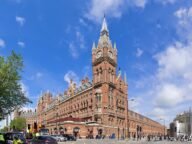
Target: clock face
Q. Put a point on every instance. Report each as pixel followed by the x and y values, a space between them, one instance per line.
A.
pixel 110 54
pixel 99 54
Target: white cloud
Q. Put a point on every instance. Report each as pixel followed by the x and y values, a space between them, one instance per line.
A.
pixel 174 74
pixel 98 9
pixel 2 43
pixel 20 20
pixel 21 44
pixel 139 52
pixel 25 89
pixel 78 44
pixel 175 68
pixel 167 1
pixel 175 61
pixel 139 3
pixel 73 50
pixel 112 8
pixel 169 95
pixel 71 75
pixel 157 113
pixel 80 39
pixel 184 25
pixel 115 8
pixel 171 84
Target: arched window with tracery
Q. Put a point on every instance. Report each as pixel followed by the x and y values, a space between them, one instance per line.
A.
pixel 98 98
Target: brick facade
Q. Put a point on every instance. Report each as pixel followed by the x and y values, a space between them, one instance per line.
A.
pixel 96 107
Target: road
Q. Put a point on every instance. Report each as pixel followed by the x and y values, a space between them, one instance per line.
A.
pixel 106 141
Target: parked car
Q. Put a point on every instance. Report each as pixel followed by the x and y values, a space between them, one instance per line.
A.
pixel 59 138
pixel 9 137
pixel 43 140
pixel 69 137
pixel 172 139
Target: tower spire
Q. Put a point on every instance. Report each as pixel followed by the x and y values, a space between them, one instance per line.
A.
pixel 93 47
pixel 104 27
pixel 125 77
pixel 104 35
pixel 115 47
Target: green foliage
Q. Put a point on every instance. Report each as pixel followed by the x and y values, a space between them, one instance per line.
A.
pixel 5 129
pixel 11 94
pixel 18 124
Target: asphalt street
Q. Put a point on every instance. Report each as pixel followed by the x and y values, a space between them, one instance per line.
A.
pixel 122 142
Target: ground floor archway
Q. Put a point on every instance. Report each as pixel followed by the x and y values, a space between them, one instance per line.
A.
pixel 76 131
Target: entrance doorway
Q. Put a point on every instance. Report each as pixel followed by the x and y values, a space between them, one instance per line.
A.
pixel 61 130
pixel 76 131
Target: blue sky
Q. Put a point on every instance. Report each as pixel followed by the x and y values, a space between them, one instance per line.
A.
pixel 153 39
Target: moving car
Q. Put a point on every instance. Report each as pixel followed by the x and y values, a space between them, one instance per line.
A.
pixel 43 140
pixel 69 137
pixel 59 138
pixel 44 131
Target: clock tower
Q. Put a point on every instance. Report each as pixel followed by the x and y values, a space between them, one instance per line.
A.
pixel 104 58
pixel 110 104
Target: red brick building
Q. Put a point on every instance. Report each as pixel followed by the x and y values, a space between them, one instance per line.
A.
pixel 96 107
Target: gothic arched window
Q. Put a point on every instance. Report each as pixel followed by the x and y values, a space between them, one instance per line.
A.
pixel 98 98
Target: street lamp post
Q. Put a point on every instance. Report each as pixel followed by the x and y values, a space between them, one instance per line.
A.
pixel 128 135
pixel 163 125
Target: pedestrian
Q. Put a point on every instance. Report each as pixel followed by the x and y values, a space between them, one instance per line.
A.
pixel 148 137
pixel 134 136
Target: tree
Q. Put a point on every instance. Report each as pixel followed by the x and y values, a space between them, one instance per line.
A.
pixel 11 94
pixel 5 129
pixel 18 124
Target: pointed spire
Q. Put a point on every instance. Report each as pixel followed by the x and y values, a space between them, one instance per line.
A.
pixel 104 25
pixel 125 77
pixel 104 39
pixel 104 29
pixel 93 47
pixel 114 46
